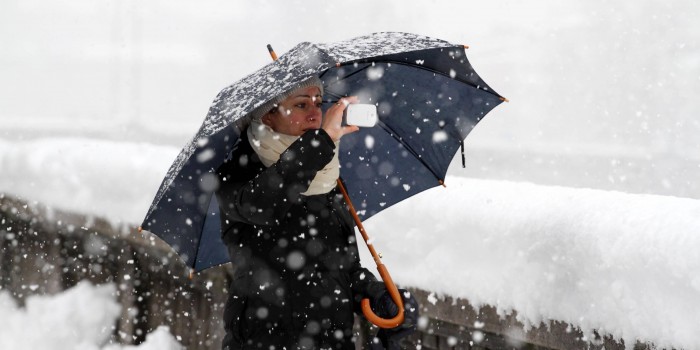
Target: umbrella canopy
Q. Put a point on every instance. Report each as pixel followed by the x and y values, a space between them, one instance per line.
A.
pixel 428 98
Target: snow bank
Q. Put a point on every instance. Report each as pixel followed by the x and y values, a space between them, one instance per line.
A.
pixel 116 180
pixel 81 318
pixel 620 263
pixel 160 339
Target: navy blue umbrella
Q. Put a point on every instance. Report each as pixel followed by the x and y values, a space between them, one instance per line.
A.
pixel 428 98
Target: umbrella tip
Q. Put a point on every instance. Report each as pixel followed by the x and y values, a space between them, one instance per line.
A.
pixel 442 183
pixel 466 46
pixel 140 229
pixel 504 99
pixel 272 52
pixel 191 275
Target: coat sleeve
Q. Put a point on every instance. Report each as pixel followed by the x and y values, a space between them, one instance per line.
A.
pixel 266 199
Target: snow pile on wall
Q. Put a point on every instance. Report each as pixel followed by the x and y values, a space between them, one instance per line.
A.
pixel 116 180
pixel 623 264
pixel 81 318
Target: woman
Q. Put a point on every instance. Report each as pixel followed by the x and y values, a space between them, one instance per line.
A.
pixel 298 277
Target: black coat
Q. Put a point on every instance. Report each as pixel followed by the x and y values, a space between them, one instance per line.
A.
pixel 298 277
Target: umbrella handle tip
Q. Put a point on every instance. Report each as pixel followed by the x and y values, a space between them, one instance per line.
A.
pixel 272 52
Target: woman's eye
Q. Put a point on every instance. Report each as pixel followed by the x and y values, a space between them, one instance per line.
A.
pixel 301 105
pixel 318 105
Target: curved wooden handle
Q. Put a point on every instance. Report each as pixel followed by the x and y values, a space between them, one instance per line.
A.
pixel 395 296
pixel 388 282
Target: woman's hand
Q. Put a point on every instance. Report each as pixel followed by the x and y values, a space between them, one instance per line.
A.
pixel 332 121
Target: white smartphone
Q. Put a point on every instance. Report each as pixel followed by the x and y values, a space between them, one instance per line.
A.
pixel 364 115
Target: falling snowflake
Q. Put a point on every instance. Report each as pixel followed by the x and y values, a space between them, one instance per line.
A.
pixel 369 142
pixel 375 73
pixel 439 136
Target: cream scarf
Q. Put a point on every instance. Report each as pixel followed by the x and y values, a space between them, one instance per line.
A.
pixel 269 144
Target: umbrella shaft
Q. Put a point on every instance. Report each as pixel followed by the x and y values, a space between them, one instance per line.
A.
pixel 377 260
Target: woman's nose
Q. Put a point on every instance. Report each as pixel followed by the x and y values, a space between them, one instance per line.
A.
pixel 315 113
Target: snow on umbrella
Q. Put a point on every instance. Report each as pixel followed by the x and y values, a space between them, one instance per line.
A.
pixel 428 98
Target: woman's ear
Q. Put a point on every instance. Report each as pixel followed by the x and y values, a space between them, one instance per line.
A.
pixel 267 119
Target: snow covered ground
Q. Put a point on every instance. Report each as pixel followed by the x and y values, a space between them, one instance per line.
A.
pixel 624 264
pixel 81 318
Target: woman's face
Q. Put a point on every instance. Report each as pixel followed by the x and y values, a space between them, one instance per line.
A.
pixel 300 112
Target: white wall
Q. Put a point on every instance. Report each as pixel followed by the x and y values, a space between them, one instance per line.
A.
pixel 614 79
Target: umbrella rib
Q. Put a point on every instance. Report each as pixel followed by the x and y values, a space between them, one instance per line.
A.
pixel 367 65
pixel 427 69
pixel 478 87
pixel 199 243
pixel 410 149
pixel 199 239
